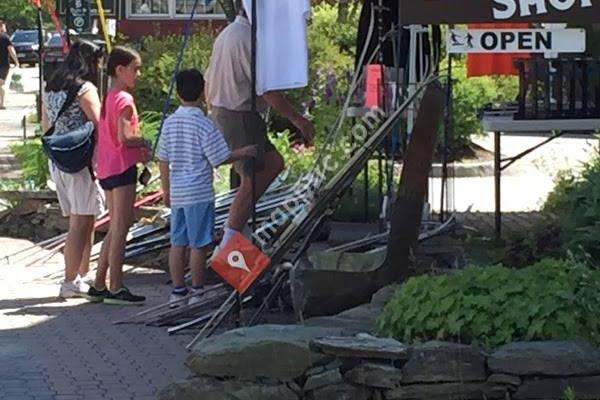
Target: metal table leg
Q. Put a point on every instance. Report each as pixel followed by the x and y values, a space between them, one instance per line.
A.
pixel 497 178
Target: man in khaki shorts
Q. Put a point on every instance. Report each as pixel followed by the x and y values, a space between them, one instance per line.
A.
pixel 229 98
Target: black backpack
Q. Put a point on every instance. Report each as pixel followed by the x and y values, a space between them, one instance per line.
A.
pixel 70 151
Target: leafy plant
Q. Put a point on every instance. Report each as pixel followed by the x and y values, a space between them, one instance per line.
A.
pixel 494 305
pixel 569 394
pixel 470 96
pixel 34 163
pixel 575 200
pixel 159 55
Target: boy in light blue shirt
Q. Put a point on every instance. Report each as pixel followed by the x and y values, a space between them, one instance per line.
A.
pixel 190 147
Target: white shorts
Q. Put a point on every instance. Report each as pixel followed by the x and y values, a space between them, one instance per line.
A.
pixel 77 193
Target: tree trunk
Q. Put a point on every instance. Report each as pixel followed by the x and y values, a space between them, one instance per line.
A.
pixel 408 207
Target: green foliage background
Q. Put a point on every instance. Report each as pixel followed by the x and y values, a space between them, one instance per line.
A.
pixel 575 200
pixel 494 305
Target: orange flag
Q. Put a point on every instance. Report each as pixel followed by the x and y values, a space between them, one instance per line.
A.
pixel 494 63
pixel 240 262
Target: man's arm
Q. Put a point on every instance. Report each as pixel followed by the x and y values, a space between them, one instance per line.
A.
pixel 163 166
pixel 13 55
pixel 281 104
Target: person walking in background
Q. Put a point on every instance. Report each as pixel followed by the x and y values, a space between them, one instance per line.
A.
pixel 190 146
pixel 120 148
pixel 7 52
pixel 78 193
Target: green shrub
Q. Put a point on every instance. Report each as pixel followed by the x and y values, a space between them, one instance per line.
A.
pixel 553 299
pixel 575 200
pixel 34 163
pixel 159 55
pixel 471 95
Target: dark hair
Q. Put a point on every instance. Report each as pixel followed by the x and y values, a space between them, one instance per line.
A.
pixel 190 84
pixel 81 65
pixel 120 56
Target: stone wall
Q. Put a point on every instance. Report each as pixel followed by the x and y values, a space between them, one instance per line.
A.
pixel 280 362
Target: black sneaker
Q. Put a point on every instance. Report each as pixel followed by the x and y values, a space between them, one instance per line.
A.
pixel 123 297
pixel 97 296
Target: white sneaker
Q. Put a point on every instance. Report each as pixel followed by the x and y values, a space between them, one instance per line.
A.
pixel 175 300
pixel 88 279
pixel 76 288
pixel 196 296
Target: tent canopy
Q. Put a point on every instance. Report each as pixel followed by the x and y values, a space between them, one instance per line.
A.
pixel 465 11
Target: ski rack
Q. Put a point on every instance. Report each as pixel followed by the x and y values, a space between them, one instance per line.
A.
pixel 162 314
pixel 322 205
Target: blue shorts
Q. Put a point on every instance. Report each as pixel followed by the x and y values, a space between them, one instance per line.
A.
pixel 193 226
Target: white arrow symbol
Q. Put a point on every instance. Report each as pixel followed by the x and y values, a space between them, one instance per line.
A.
pixel 236 260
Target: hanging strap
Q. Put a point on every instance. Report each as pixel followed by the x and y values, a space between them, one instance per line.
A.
pixel 71 96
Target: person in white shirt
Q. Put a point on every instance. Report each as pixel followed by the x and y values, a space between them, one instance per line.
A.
pixel 229 94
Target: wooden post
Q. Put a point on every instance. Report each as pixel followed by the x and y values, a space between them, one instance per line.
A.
pixel 407 210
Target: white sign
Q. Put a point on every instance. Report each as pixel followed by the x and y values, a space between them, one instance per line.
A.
pixel 112 27
pixel 516 41
pixel 506 9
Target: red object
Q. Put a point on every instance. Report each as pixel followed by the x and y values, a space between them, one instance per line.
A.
pixel 498 63
pixel 373 95
pixel 57 24
pixel 240 262
pixel 37 3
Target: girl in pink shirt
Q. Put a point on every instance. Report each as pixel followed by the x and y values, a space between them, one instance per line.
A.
pixel 120 148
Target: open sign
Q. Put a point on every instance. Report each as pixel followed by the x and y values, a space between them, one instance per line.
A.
pixel 516 41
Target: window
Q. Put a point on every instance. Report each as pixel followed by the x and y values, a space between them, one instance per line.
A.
pixel 204 7
pixel 174 8
pixel 160 7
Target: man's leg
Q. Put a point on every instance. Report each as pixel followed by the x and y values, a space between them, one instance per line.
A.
pixel 241 209
pixel 2 82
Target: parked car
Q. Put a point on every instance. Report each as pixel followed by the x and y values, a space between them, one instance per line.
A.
pixel 26 45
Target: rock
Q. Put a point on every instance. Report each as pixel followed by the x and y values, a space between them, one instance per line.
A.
pixel 384 295
pixel 552 358
pixel 355 320
pixel 348 261
pixel 375 375
pixel 263 351
pixel 504 379
pixel 361 346
pixel 342 391
pixel 443 391
pixel 330 377
pixel 444 362
pixel 315 371
pixel 318 292
pixel 554 388
pixel 212 389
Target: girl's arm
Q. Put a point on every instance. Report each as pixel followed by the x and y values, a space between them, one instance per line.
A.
pixel 91 106
pixel 127 135
pixel 45 123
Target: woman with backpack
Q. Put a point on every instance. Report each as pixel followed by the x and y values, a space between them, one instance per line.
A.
pixel 71 101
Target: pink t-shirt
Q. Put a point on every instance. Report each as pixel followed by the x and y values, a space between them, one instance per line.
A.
pixel 113 157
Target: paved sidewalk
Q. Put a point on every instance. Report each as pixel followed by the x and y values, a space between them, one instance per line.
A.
pixel 66 350
pixel 18 105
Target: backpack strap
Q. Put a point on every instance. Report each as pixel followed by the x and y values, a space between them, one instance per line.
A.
pixel 71 96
